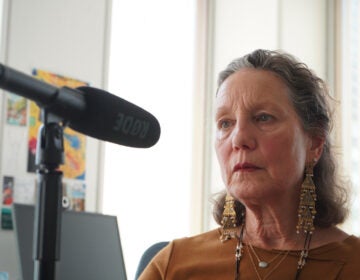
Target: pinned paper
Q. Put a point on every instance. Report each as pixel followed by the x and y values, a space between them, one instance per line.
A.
pixel 8 190
pixel 75 192
pixel 4 275
pixel 16 110
pixel 25 190
pixel 6 219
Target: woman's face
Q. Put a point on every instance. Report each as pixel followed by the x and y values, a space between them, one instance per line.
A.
pixel 260 143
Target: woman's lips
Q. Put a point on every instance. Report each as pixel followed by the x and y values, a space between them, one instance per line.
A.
pixel 245 167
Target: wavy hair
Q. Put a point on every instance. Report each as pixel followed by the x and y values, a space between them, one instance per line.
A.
pixel 310 98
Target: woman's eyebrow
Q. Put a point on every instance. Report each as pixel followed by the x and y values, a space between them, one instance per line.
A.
pixel 220 111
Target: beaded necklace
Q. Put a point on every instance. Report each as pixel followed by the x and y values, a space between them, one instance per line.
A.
pixel 239 253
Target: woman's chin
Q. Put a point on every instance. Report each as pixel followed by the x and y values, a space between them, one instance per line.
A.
pixel 249 192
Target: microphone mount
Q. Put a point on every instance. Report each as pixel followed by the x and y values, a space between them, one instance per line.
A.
pixel 48 209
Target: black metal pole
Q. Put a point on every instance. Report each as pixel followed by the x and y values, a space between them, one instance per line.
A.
pixel 47 222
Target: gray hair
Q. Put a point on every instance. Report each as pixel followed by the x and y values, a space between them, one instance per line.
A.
pixel 309 95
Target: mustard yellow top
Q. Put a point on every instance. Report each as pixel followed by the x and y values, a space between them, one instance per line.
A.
pixel 205 257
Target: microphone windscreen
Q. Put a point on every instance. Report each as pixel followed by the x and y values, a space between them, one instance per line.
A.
pixel 111 118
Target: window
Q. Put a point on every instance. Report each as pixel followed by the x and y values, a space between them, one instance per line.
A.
pixel 350 102
pixel 151 65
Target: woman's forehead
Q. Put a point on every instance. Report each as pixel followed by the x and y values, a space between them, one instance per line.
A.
pixel 253 86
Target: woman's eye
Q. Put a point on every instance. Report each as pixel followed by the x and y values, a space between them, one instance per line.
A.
pixel 224 124
pixel 263 118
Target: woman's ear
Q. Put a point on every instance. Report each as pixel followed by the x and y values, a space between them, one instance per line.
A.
pixel 316 147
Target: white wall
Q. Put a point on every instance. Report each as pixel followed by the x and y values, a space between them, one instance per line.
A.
pixel 67 37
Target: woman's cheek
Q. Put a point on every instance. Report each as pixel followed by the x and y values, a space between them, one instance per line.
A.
pixel 220 134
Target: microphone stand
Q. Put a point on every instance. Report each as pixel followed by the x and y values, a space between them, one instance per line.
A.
pixel 48 209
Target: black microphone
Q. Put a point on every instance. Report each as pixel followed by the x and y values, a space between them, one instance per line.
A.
pixel 88 110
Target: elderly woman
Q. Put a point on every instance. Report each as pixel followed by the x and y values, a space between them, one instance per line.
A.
pixel 283 199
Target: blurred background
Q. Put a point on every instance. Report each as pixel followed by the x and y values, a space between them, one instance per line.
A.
pixel 164 56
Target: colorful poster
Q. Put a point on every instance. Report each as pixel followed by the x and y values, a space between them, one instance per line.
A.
pixel 74 142
pixel 8 190
pixel 16 110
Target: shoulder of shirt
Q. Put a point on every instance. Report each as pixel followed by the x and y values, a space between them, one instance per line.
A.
pixel 352 239
pixel 202 237
pixel 353 244
pixel 345 251
pixel 199 245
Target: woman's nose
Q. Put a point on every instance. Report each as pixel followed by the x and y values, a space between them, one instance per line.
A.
pixel 243 136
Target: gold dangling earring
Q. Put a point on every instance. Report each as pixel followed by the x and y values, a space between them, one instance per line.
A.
pixel 228 221
pixel 307 211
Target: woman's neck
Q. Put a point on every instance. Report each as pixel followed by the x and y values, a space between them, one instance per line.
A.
pixel 271 230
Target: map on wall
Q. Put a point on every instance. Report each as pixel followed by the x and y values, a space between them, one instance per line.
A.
pixel 74 142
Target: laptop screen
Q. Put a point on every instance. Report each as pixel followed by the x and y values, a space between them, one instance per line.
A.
pixel 90 245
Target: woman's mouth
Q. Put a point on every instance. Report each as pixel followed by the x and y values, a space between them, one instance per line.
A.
pixel 245 167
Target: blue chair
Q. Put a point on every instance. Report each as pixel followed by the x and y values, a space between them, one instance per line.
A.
pixel 148 255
